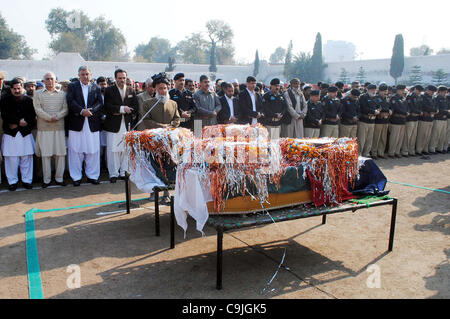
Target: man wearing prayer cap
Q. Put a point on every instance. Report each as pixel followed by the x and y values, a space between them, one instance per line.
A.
pixel 297 108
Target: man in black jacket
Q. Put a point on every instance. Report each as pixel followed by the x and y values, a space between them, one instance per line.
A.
pixel 274 108
pixel 350 115
pixel 121 107
pixel 314 116
pixel 439 131
pixel 369 109
pixel 19 119
pixel 185 101
pixel 414 103
pixel 332 108
pixel 399 107
pixel 380 131
pixel 250 103
pixel 425 125
pixel 85 103
pixel 229 113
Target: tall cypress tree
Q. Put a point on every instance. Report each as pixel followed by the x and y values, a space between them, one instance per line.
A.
pixel 317 65
pixel 288 60
pixel 256 64
pixel 398 58
pixel 212 59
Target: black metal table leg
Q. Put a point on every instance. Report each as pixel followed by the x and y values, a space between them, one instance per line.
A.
pixel 324 219
pixel 219 258
pixel 128 192
pixel 172 223
pixel 156 192
pixel 393 219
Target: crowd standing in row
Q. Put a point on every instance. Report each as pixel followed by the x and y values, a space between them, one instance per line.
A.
pixel 81 121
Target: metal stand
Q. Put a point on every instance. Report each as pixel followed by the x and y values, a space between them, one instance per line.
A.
pixel 172 223
pixel 393 219
pixel 219 258
pixel 157 230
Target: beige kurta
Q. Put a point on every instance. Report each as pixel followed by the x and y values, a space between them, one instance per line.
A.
pixel 50 138
pixel 162 114
pixel 295 129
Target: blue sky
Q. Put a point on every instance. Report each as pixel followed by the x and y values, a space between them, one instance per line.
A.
pixel 262 24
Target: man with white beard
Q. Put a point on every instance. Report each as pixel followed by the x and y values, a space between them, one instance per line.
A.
pixel 163 115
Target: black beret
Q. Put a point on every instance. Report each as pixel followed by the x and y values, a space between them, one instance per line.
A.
pixel 332 89
pixel 178 76
pixel 419 87
pixel 355 92
pixel 401 87
pixel 324 86
pixel 371 87
pixel 383 87
pixel 275 81
pixel 442 88
pixel 432 88
pixel 314 93
pixel 339 84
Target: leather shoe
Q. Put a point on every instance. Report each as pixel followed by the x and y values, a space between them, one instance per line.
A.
pixel 113 180
pixel 76 183
pixel 93 181
pixel 63 184
pixel 122 178
pixel 27 186
pixel 44 185
pixel 12 187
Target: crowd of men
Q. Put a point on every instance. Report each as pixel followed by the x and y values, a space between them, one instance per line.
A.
pixel 82 121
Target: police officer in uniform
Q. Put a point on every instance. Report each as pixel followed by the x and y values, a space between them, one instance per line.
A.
pixel 350 114
pixel 369 109
pixel 381 123
pixel 399 107
pixel 185 101
pixel 439 131
pixel 332 108
pixel 314 116
pixel 425 125
pixel 414 101
pixel 274 108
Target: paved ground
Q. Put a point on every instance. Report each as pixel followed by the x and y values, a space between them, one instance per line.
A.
pixel 120 257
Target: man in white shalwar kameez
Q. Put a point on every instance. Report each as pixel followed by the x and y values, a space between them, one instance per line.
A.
pixel 84 100
pixel 19 119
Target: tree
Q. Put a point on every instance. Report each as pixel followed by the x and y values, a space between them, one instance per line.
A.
pixel 398 58
pixel 256 64
pixel 361 76
pixel 415 77
pixel 317 65
pixel 439 77
pixel 278 56
pixel 343 77
pixel 171 64
pixel 423 50
pixel 106 42
pixel 443 51
pixel 157 50
pixel 12 44
pixel 73 31
pixel 193 49
pixel 288 60
pixel 221 40
pixel 300 67
pixel 212 59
